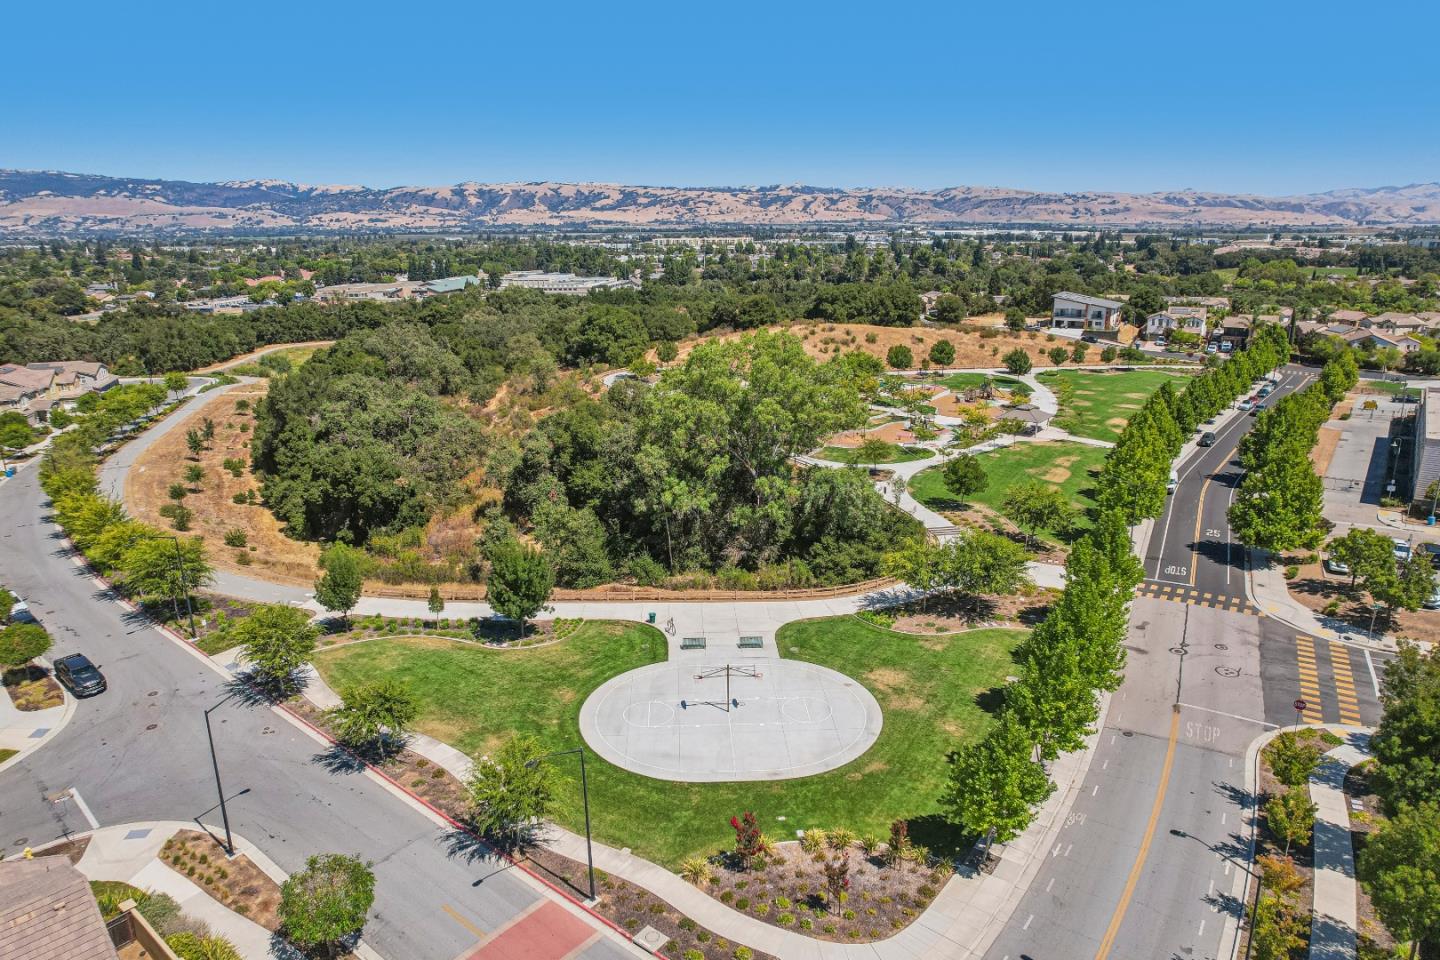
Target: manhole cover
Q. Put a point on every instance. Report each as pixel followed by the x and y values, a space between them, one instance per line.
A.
pixel 1222 646
pixel 153 693
pixel 1178 650
pixel 1127 733
pixel 151 726
pixel 1228 672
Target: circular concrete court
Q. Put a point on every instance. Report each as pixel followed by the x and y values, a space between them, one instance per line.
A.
pixel 793 720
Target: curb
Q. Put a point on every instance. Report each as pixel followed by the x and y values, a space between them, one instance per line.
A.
pixel 71 705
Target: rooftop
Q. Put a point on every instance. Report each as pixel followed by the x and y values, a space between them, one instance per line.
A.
pixel 1085 298
pixel 47 911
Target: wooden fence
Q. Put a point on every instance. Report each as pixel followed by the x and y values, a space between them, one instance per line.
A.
pixel 616 592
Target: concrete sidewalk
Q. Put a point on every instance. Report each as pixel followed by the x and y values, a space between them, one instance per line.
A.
pixel 1333 924
pixel 25 731
pixel 1270 591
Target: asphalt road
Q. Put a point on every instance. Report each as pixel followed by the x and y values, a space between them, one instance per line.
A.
pixel 1150 860
pixel 138 752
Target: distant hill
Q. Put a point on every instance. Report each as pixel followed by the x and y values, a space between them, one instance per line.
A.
pixel 41 203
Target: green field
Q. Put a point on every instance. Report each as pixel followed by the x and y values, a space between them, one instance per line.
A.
pixel 965 381
pixel 1070 466
pixel 930 689
pixel 893 454
pixel 1098 405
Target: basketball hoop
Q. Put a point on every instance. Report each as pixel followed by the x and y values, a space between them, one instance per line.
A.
pixel 727 672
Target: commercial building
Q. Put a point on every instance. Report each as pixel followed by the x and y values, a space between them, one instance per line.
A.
pixel 566 283
pixel 1427 443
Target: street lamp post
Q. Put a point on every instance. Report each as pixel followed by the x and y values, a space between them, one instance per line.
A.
pixel 585 798
pixel 184 581
pixel 215 764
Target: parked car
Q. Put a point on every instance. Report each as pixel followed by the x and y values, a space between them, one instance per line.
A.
pixel 1211 348
pixel 1173 483
pixel 1256 410
pixel 1089 338
pixel 79 675
pixel 1265 391
pixel 1226 346
pixel 20 612
pixel 1207 439
pixel 1247 404
pixel 1431 550
pixel 1434 602
pixel 1337 567
pixel 1159 342
pixel 1402 548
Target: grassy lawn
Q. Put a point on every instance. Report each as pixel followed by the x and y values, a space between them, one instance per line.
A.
pixel 930 689
pixel 6 753
pixel 1070 466
pixel 1392 387
pixel 964 381
pixel 1098 405
pixel 894 453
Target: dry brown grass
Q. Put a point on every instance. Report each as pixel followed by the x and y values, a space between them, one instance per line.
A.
pixel 273 556
pixel 824 340
pixel 237 883
pixel 1324 450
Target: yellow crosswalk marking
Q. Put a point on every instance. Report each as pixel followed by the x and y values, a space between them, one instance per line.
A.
pixel 1344 683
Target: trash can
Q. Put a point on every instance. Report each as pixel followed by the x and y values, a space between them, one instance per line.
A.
pixel 650 618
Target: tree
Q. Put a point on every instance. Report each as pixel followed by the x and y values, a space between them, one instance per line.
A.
pixel 872 450
pixel 176 383
pixel 942 353
pixel 666 351
pixel 511 790
pixel 1291 760
pixel 964 476
pixel 195 442
pixel 917 562
pixel 1291 816
pixel 1077 352
pixel 1407 742
pixel 194 474
pixel 899 357
pixel 949 309
pixel 1035 506
pixel 277 640
pixel 520 581
pixel 7 603
pixel 436 603
pixel 1366 552
pixel 15 431
pixel 22 642
pixel 995 784
pixel 338 589
pixel 1015 319
pixel 1400 868
pixel 1274 930
pixel 164 568
pixel 979 562
pixel 1057 355
pixel 373 710
pixel 1017 361
pixel 177 492
pixel 327 902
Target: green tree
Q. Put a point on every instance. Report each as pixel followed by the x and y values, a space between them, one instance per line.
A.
pixel 1407 742
pixel 175 383
pixel 1291 759
pixel 917 563
pixel 7 603
pixel 1291 816
pixel 327 902
pixel 520 581
pixel 1277 507
pixel 1034 506
pixel 177 492
pixel 872 450
pixel 964 477
pixel 949 309
pixel 372 712
pixel 194 474
pixel 1366 552
pixel 981 563
pixel 277 640
pixel 1057 355
pixel 339 586
pixel 1017 361
pixel 899 357
pixel 195 442
pixel 1274 930
pixel 942 353
pixel 511 790
pixel 995 784
pixel 165 568
pixel 22 642
pixel 1400 868
pixel 1054 698
pixel 15 431
pixel 666 351
pixel 1077 352
pixel 435 604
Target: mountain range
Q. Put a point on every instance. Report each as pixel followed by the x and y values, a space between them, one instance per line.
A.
pixel 53 203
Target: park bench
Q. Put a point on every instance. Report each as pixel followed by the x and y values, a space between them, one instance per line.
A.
pixel 751 643
pixel 692 643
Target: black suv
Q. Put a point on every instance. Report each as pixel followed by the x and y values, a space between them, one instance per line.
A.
pixel 1207 439
pixel 79 675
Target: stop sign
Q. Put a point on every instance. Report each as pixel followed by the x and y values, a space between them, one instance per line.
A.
pixel 1300 706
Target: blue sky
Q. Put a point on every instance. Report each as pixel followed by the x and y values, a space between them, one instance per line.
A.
pixel 1262 96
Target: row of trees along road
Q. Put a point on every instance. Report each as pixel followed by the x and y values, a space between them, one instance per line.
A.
pixel 1277 506
pixel 1078 650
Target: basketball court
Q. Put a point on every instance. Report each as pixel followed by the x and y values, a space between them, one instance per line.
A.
pixel 708 719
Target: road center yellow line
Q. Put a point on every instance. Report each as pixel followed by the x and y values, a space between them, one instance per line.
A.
pixel 1199 514
pixel 455 915
pixel 1135 870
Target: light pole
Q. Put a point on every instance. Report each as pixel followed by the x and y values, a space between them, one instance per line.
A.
pixel 184 581
pixel 585 799
pixel 215 763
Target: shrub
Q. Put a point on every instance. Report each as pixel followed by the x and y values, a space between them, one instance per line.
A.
pixel 180 518
pixel 234 465
pixel 812 841
pixel 703 935
pixel 239 499
pixel 727 895
pixel 785 919
pixel 236 538
pixel 742 903
pixel 782 903
pixel 744 953
pixel 686 924
pixel 840 838
pixel 762 908
pixel 806 923
pixel 693 954
pixel 242 558
pixel 697 871
pixel 847 914
pixel 870 844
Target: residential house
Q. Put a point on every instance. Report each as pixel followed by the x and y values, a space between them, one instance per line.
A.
pixel 73 378
pixel 928 299
pixel 28 391
pixel 48 912
pixel 1234 332
pixel 1376 340
pixel 1211 303
pixel 1172 319
pixel 1079 311
pixel 1398 322
pixel 1354 318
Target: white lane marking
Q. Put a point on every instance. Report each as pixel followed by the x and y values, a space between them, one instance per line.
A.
pixel 1105 765
pixel 1201 931
pixel 1094 790
pixel 1232 716
pixel 1223 818
pixel 1112 739
pixel 1056 852
pixel 1027 922
pixel 1050 884
pixel 1227 868
pixel 84 809
pixel 1374 680
pixel 1068 849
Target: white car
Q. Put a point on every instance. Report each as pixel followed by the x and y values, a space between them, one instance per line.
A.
pixel 1402 549
pixel 1247 404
